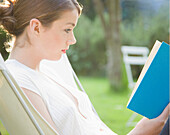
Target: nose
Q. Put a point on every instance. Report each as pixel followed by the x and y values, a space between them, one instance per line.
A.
pixel 72 40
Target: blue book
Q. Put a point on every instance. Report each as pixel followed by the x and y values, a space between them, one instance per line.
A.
pixel 151 92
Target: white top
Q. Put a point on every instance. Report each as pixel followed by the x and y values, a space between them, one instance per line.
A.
pixel 69 107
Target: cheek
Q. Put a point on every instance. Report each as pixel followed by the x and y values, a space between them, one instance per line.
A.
pixel 57 38
pixel 54 41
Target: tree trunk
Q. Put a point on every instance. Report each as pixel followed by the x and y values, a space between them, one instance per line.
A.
pixel 114 65
pixel 113 44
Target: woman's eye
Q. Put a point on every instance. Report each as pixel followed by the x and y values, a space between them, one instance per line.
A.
pixel 67 30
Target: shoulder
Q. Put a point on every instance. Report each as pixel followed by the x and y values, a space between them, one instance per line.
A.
pixel 15 67
pixel 19 70
pixel 23 75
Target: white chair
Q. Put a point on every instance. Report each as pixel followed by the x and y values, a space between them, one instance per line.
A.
pixel 133 55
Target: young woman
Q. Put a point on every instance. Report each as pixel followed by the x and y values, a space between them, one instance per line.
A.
pixel 44 30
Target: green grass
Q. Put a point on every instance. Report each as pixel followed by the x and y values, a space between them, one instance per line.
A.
pixel 3 130
pixel 110 106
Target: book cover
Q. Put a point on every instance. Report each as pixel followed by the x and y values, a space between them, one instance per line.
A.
pixel 151 92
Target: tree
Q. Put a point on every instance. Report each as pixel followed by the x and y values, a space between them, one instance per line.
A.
pixel 88 8
pixel 111 28
pixel 4 38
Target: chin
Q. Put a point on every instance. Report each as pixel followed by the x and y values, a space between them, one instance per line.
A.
pixel 54 58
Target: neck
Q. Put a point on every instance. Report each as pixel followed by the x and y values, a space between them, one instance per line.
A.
pixel 25 50
pixel 26 55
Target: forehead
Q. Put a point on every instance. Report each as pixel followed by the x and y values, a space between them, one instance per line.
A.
pixel 68 18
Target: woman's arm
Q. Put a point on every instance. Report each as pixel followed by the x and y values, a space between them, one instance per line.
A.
pixel 151 126
pixel 38 103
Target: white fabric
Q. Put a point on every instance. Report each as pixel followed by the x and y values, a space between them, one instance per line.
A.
pixel 60 97
pixel 62 68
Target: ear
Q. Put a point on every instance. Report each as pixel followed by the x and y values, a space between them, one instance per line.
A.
pixel 35 26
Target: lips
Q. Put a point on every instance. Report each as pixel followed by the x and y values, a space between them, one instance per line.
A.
pixel 64 51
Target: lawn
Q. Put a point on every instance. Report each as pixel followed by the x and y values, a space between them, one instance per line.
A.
pixel 110 106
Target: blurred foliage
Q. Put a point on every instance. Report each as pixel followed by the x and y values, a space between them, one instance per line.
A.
pixel 130 9
pixel 88 55
pixel 160 26
pixel 4 37
pixel 88 8
pixel 145 32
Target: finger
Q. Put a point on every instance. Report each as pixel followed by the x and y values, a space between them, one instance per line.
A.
pixel 165 113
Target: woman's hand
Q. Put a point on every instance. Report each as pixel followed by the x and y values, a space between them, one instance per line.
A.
pixel 151 126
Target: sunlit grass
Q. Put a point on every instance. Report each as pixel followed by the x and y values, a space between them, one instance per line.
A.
pixel 3 130
pixel 110 106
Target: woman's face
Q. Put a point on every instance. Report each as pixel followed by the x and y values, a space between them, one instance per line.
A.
pixel 55 40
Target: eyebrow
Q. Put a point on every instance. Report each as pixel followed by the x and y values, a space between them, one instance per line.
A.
pixel 70 24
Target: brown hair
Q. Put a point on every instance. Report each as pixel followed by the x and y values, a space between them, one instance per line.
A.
pixel 17 15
